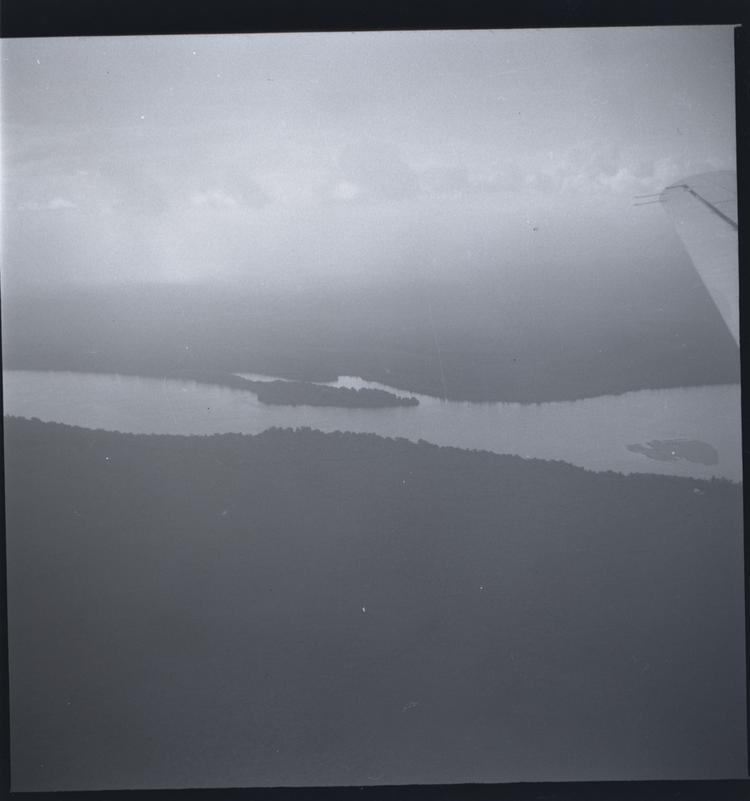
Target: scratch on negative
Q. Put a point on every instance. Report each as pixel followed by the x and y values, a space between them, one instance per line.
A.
pixel 437 348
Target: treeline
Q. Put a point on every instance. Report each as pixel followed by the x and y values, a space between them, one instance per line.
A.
pixel 476 343
pixel 306 608
pixel 297 393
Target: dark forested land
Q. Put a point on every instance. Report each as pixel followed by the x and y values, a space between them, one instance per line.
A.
pixel 466 340
pixel 307 608
pixel 298 393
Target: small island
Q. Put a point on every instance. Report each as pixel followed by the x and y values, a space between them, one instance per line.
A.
pixel 672 450
pixel 304 393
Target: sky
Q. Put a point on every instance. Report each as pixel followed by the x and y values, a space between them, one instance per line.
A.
pixel 278 159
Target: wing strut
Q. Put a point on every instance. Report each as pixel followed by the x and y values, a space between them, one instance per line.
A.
pixel 703 200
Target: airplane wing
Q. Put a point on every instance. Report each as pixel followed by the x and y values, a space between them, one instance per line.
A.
pixel 704 210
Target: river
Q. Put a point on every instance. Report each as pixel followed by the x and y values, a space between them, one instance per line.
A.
pixel 595 433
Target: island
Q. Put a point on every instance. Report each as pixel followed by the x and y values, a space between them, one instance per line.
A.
pixel 301 393
pixel 672 450
pixel 304 393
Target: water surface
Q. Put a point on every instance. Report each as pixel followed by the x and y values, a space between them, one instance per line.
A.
pixel 595 433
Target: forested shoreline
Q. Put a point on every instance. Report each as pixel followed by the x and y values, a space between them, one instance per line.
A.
pixel 476 344
pixel 240 601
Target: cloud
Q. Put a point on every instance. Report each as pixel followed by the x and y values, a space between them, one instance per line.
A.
pixel 602 169
pixel 445 179
pixel 235 185
pixel 644 170
pixel 214 198
pixel 234 193
pixel 534 174
pixel 53 204
pixel 346 190
pixel 377 170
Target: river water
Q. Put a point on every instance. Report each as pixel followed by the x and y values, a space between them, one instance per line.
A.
pixel 594 433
